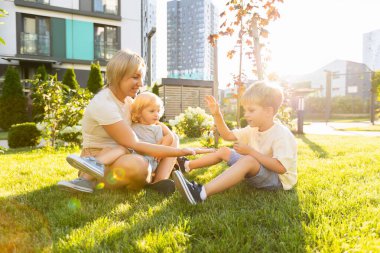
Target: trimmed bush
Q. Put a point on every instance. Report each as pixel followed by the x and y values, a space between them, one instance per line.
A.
pixel 12 101
pixel 70 79
pixel 95 80
pixel 155 89
pixel 24 135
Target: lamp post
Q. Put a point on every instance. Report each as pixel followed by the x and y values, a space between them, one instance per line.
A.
pixel 150 34
pixel 300 114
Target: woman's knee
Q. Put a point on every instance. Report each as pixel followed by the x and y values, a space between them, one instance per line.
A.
pixel 131 171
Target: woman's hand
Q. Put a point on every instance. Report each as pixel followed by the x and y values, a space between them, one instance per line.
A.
pixel 212 104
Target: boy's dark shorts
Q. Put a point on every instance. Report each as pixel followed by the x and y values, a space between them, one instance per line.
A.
pixel 264 179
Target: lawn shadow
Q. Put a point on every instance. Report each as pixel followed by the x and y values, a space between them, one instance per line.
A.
pixel 318 150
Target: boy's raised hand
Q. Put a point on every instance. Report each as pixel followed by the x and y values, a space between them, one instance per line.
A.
pixel 212 104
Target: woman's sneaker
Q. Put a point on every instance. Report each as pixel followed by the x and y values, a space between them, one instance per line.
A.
pixel 77 185
pixel 189 190
pixel 88 165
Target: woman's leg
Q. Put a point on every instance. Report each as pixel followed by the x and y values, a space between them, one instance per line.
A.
pixel 129 170
pixel 245 166
pixel 166 165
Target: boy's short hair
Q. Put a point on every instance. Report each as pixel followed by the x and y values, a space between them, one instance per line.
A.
pixel 264 94
pixel 124 62
pixel 142 101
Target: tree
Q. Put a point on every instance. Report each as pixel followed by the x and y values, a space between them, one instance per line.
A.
pixel 95 80
pixel 12 101
pixel 69 79
pixel 3 13
pixel 155 89
pixel 38 106
pixel 375 93
pixel 247 20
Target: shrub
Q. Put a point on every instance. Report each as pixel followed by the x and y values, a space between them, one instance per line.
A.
pixel 71 135
pixel 60 113
pixel 193 123
pixel 69 79
pixel 12 101
pixel 155 89
pixel 95 80
pixel 24 135
pixel 38 106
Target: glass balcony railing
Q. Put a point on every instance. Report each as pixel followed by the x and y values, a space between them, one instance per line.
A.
pixel 35 44
pixel 105 51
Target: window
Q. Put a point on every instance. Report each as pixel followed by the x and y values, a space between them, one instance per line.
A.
pixel 35 35
pixel 106 41
pixel 106 6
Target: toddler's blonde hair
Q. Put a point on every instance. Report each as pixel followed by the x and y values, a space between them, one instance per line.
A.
pixel 142 101
pixel 124 62
pixel 264 94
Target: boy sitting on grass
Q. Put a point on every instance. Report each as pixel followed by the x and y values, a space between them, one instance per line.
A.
pixel 264 153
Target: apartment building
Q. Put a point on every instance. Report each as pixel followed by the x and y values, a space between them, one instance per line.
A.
pixel 67 34
pixel 189 23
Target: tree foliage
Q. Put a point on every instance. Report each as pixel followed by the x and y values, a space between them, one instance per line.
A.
pixel 155 89
pixel 95 81
pixel 3 13
pixel 375 82
pixel 64 107
pixel 70 79
pixel 247 21
pixel 12 101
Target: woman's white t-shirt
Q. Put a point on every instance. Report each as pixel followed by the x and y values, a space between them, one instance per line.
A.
pixel 103 109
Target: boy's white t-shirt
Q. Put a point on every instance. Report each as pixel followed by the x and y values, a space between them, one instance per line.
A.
pixel 277 142
pixel 103 109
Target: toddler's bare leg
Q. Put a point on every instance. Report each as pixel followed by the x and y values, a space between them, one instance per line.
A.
pixel 110 155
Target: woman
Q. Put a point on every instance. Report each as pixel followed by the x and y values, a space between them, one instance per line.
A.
pixel 106 125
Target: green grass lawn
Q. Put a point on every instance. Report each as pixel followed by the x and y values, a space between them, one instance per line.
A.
pixel 371 128
pixel 334 208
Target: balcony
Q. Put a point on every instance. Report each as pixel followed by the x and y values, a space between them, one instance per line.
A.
pixel 35 44
pixel 105 50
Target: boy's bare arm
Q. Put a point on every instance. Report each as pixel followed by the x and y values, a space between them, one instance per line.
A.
pixel 268 162
pixel 224 131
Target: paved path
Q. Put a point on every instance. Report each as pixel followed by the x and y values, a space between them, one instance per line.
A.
pixel 331 128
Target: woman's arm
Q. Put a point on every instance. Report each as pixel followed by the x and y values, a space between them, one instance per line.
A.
pixel 123 134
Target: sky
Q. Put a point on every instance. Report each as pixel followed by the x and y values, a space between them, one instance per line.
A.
pixel 311 34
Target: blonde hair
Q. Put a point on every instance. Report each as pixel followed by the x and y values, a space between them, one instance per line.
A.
pixel 264 94
pixel 142 101
pixel 124 62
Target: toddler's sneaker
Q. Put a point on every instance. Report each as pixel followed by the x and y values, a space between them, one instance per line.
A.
pixel 189 190
pixel 88 165
pixel 181 164
pixel 77 185
pixel 165 186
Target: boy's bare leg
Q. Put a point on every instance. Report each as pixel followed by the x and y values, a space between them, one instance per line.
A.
pixel 222 154
pixel 246 165
pixel 166 165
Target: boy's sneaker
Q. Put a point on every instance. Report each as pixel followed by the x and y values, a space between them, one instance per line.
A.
pixel 88 165
pixel 77 185
pixel 181 164
pixel 189 190
pixel 165 186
